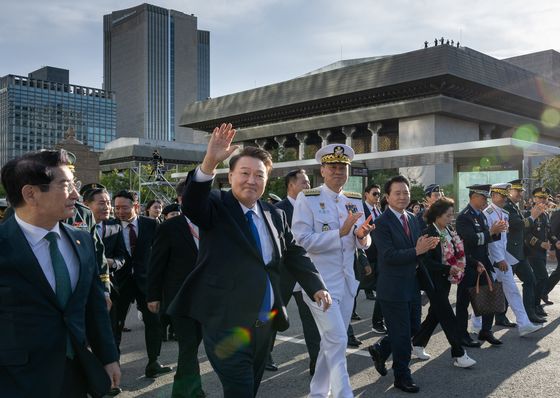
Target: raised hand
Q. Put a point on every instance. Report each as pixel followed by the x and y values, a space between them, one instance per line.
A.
pixel 365 228
pixel 219 148
pixel 349 223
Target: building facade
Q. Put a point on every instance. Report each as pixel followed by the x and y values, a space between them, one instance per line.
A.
pixel 35 113
pixel 154 59
pixel 442 115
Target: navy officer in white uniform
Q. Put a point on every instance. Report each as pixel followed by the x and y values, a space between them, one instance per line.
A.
pixel 329 224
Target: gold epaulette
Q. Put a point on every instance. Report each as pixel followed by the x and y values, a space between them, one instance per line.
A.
pixel 312 192
pixel 104 278
pixel 353 195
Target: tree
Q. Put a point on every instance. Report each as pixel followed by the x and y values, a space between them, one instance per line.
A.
pixel 548 173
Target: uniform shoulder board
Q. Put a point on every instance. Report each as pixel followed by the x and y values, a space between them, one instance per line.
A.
pixel 353 195
pixel 312 192
pixel 489 210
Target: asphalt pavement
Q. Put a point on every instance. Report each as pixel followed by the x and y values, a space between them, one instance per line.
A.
pixel 521 367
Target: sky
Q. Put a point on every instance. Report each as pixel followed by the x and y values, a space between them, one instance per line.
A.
pixel 259 42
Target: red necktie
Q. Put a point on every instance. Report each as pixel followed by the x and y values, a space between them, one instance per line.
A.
pixel 132 238
pixel 405 225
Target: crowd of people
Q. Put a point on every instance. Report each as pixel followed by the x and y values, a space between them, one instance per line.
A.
pixel 219 268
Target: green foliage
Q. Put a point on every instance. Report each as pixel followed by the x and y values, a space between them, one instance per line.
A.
pixel 417 192
pixel 548 173
pixel 2 191
pixel 275 186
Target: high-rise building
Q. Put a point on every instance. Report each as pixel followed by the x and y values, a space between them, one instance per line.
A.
pixel 36 111
pixel 156 62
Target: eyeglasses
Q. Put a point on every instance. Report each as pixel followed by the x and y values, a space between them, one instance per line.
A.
pixel 375 193
pixel 68 186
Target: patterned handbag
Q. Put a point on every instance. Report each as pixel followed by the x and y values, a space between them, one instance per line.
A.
pixel 487 299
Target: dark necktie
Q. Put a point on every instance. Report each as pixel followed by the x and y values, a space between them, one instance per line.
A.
pixel 375 213
pixel 132 237
pixel 63 285
pixel 264 312
pixel 405 225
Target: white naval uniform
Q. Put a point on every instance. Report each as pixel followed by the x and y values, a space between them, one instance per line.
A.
pixel 498 252
pixel 318 215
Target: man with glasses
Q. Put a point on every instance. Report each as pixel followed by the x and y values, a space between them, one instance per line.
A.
pixel 49 282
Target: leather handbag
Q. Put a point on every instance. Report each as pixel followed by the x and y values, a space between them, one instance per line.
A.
pixel 487 299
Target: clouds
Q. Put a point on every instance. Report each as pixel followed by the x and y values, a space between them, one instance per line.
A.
pixel 257 42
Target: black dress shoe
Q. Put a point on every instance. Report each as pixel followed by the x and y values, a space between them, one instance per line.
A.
pixel 379 328
pixel 114 391
pixel 489 337
pixel 537 319
pixel 270 365
pixel 356 317
pixel 540 311
pixel 505 323
pixel 468 342
pixel 407 385
pixel 353 341
pixel 378 360
pixel 155 369
pixel 370 295
pixel 546 300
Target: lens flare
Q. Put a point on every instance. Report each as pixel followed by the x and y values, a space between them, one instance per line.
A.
pixel 239 337
pixel 527 132
pixel 550 118
pixel 485 162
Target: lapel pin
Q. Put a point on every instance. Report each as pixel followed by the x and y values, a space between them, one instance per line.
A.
pixel 78 242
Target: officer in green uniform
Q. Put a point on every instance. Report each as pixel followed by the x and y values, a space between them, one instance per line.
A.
pixel 519 227
pixel 539 240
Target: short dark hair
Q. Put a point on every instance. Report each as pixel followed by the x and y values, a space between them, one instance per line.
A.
pixel 180 187
pixel 252 152
pixel 90 194
pixel 371 186
pixel 292 176
pixel 34 168
pixel 393 180
pixel 438 208
pixel 127 194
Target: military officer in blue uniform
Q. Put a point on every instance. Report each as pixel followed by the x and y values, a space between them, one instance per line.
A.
pixel 473 228
pixel 329 224
pixel 539 241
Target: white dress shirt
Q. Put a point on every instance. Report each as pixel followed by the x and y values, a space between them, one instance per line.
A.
pixel 40 246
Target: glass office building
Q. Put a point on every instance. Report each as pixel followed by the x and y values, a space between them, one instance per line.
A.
pixel 35 114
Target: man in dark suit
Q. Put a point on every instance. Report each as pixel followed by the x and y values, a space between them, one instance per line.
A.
pixel 173 258
pixel 399 243
pixel 473 228
pixel 138 233
pixel 234 291
pixel 296 181
pixel 52 301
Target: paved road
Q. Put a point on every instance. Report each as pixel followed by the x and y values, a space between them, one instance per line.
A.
pixel 521 367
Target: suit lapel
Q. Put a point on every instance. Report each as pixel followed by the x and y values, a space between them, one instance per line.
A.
pixel 272 230
pixel 186 233
pixel 398 225
pixel 80 254
pixel 26 261
pixel 240 221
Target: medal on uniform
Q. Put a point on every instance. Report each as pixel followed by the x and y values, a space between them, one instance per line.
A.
pixel 322 207
pixel 325 228
pixel 351 207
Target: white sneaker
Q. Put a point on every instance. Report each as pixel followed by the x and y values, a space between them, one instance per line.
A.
pixel 527 329
pixel 419 353
pixel 464 362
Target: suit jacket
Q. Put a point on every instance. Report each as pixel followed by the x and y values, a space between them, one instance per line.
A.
pixel 397 260
pixel 287 280
pixel 227 287
pixel 115 249
pixel 518 226
pixel 35 328
pixel 137 264
pixel 173 258
pixel 286 205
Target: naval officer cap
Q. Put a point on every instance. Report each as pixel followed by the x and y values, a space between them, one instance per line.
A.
pixel 501 188
pixel 517 184
pixel 91 187
pixel 481 189
pixel 335 153
pixel 541 192
pixel 431 188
